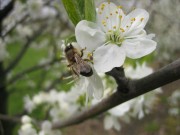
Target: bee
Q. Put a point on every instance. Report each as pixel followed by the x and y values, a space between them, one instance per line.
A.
pixel 77 64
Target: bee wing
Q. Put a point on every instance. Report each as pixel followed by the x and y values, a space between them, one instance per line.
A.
pixel 82 65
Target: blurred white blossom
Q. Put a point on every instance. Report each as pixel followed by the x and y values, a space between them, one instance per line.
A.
pixel 137 107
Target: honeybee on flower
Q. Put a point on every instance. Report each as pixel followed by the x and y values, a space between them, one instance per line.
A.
pixel 80 62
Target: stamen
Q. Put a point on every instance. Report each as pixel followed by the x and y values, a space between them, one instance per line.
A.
pixel 122 29
pixel 142 19
pixel 107 17
pixel 119 7
pixel 120 16
pixel 114 27
pixel 133 19
pixel 100 12
pixel 110 13
pixel 116 12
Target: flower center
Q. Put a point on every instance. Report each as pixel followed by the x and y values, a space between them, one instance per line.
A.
pixel 115 37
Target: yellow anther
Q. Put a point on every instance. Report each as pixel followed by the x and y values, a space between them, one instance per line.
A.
pixel 103 22
pixel 107 17
pixel 127 26
pixel 100 12
pixel 119 7
pixel 120 16
pixel 110 13
pixel 109 2
pixel 114 27
pixel 142 19
pixel 103 5
pixel 122 29
pixel 102 8
pixel 109 30
pixel 133 19
pixel 116 12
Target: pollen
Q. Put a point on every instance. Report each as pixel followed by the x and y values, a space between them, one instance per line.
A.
pixel 103 22
pixel 120 7
pixel 103 5
pixel 107 17
pixel 142 19
pixel 109 30
pixel 133 19
pixel 102 8
pixel 114 27
pixel 122 29
pixel 120 16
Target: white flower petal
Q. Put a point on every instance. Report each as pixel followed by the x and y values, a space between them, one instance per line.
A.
pixel 108 122
pixel 89 35
pixel 139 47
pixel 120 110
pixel 108 57
pixel 97 85
pixel 135 22
pixel 108 16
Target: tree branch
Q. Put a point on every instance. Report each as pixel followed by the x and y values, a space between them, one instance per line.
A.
pixel 24 49
pixel 31 69
pixel 6 10
pixel 10 119
pixel 136 88
pixel 21 20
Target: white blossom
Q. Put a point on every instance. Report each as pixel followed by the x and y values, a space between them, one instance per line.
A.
pixel 115 36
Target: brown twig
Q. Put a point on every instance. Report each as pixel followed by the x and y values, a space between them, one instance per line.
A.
pixel 31 69
pixel 24 48
pixel 136 88
pixel 10 118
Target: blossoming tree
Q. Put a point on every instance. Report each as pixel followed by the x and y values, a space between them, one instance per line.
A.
pixel 61 66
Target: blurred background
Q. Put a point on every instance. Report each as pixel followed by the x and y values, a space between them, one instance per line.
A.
pixel 30 54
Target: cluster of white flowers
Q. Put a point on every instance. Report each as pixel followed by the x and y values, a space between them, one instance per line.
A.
pixel 136 107
pixel 38 10
pixel 105 43
pixel 113 37
pixel 27 128
pixel 174 102
pixel 64 104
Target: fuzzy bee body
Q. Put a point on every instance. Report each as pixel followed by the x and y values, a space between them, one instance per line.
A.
pixel 76 63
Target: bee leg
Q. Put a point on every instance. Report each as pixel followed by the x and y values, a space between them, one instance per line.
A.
pixel 88 60
pixel 75 72
pixel 82 51
pixel 69 65
pixel 67 77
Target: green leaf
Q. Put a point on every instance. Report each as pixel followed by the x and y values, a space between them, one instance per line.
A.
pixel 81 7
pixel 74 10
pixel 70 39
pixel 90 10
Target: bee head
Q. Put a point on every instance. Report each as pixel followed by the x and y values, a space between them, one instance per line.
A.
pixel 69 47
